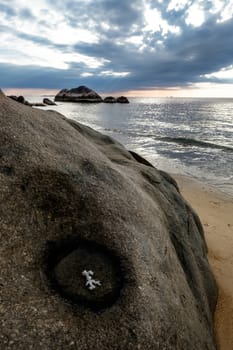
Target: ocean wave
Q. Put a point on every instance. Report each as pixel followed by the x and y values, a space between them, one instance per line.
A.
pixel 123 132
pixel 184 141
pixel 197 143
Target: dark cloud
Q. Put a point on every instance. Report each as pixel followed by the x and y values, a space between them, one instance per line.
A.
pixel 26 14
pixel 122 14
pixel 204 50
pixel 42 77
pixel 165 59
pixel 8 10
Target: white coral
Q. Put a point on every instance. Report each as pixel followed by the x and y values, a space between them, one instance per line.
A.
pixel 90 283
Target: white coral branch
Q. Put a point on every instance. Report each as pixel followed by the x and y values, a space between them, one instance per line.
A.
pixel 90 283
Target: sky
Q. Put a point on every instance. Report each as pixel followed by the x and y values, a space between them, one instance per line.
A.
pixel 140 47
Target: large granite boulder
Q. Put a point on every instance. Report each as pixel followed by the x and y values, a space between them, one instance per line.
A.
pixel 98 248
pixel 79 94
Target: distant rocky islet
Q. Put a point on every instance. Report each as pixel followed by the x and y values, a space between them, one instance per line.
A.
pixel 86 95
pixel 81 94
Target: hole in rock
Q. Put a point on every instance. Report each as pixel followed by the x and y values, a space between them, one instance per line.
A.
pixel 84 272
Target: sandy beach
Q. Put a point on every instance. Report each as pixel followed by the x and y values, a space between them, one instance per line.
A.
pixel 216 213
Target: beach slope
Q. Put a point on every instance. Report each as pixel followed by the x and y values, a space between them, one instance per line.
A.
pixel 216 213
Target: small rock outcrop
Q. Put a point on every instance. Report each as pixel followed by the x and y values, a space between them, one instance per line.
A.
pixel 49 102
pixel 22 100
pixel 110 99
pixel 19 99
pixel 79 94
pixel 122 99
pixel 98 250
pixel 13 97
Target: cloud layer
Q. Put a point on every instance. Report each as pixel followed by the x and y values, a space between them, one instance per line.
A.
pixel 115 45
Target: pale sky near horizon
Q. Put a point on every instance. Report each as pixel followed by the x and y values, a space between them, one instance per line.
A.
pixel 141 48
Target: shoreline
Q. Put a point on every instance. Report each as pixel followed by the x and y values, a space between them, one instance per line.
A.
pixel 215 210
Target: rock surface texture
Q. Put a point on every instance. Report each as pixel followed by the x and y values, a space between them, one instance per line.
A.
pixel 77 207
pixel 79 94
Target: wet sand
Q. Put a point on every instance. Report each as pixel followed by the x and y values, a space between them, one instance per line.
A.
pixel 215 210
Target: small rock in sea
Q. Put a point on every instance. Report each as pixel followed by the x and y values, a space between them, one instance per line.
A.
pixel 49 102
pixel 21 99
pixel 122 99
pixel 110 99
pixel 13 97
pixel 37 104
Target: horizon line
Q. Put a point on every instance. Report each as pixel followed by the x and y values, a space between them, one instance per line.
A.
pixel 190 92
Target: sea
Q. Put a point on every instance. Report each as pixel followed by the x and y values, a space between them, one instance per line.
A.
pixel 188 136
